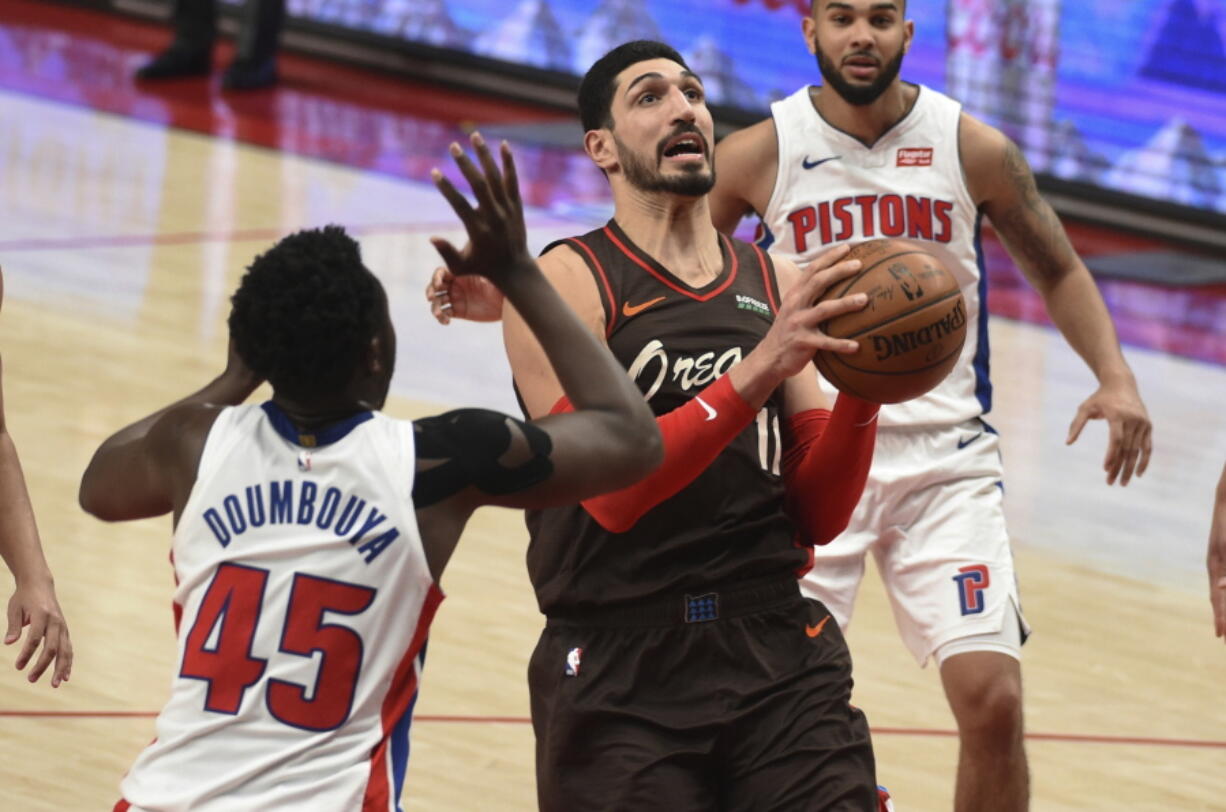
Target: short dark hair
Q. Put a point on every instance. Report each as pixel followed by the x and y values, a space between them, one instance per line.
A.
pixel 305 312
pixel 596 90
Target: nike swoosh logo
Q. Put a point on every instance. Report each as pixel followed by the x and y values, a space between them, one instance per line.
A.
pixel 814 631
pixel 711 413
pixel 965 443
pixel 807 164
pixel 629 310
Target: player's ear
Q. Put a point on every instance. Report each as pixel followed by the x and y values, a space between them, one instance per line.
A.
pixel 808 27
pixel 599 146
pixel 908 35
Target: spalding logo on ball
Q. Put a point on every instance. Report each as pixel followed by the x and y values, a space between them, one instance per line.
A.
pixel 911 331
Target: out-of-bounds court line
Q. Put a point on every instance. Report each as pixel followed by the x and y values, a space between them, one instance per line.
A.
pixel 1075 738
pixel 234 235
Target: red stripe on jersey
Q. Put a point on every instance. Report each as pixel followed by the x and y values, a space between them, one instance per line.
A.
pixel 766 280
pixel 378 796
pixel 177 608
pixel 608 289
pixel 121 806
pixel 633 257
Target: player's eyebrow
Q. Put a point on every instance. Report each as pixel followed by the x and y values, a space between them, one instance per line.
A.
pixel 887 6
pixel 685 74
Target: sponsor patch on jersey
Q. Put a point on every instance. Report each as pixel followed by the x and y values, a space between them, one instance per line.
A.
pixel 574 659
pixel 915 156
pixel 751 304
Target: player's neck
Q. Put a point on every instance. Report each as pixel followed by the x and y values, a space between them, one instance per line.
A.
pixel 673 230
pixel 868 122
pixel 317 415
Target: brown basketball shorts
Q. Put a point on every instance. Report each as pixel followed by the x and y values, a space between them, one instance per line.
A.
pixel 726 700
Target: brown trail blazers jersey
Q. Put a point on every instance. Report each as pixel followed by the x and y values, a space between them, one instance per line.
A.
pixel 728 525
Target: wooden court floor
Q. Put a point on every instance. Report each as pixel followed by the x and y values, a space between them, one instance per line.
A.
pixel 120 243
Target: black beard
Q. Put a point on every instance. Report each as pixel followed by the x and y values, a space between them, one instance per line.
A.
pixel 859 95
pixel 642 176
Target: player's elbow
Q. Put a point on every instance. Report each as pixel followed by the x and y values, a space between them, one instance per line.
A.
pixel 639 446
pixel 652 455
pixel 96 496
pixel 91 501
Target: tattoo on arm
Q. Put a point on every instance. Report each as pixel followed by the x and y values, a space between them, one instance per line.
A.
pixel 1029 227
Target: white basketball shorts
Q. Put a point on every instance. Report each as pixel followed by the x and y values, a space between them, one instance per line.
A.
pixel 932 514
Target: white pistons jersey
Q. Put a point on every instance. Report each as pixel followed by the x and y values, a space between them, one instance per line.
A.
pixel 302 606
pixel 832 189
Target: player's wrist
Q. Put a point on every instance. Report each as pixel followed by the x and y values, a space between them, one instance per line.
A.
pixel 755 377
pixel 518 277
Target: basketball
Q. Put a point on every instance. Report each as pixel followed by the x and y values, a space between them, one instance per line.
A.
pixel 911 331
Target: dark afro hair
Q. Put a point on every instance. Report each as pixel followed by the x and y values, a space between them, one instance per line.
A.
pixel 596 90
pixel 305 312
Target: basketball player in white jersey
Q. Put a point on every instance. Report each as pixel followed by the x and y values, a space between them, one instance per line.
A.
pixel 33 604
pixel 866 155
pixel 311 531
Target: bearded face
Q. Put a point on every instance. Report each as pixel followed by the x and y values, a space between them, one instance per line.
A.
pixel 685 151
pixel 857 91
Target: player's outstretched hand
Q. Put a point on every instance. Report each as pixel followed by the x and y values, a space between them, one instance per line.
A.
pixel 473 298
pixel 34 607
pixel 497 238
pixel 1129 443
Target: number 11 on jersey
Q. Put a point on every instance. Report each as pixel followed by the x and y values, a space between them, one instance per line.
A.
pixel 770 448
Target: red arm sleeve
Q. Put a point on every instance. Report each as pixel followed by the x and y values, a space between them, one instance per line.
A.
pixel 826 465
pixel 694 435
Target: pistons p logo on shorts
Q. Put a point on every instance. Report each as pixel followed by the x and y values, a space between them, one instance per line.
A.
pixel 972 581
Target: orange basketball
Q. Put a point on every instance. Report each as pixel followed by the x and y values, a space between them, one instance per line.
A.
pixel 911 331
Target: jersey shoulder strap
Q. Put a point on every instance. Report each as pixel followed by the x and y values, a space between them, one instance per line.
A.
pixel 594 248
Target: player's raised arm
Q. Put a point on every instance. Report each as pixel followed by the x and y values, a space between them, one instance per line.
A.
pixel 1217 558
pixel 147 468
pixel 1003 185
pixel 611 439
pixel 33 605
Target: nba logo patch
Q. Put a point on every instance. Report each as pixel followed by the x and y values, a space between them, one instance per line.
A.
pixel 573 658
pixel 972 581
pixel 304 460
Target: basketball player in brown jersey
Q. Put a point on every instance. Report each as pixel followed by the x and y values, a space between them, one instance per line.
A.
pixel 680 668
pixel 866 137
pixel 33 603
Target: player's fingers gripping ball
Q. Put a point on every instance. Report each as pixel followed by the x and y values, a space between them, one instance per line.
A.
pixel 910 333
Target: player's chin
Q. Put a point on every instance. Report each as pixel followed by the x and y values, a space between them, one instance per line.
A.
pixel 688 164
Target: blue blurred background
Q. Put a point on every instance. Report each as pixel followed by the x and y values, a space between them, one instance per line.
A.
pixel 1128 96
